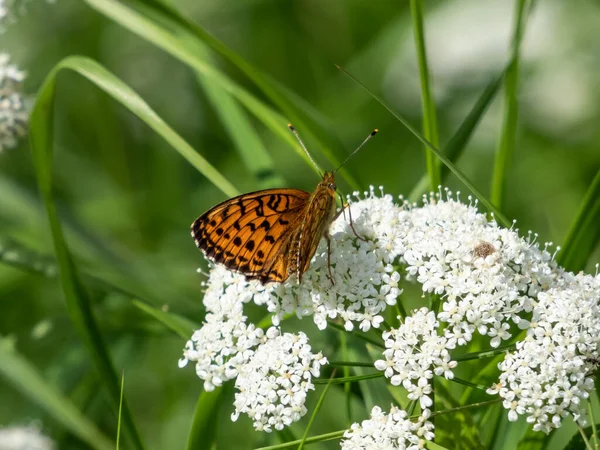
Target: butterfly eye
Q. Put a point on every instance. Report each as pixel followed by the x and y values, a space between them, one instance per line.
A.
pixel 332 186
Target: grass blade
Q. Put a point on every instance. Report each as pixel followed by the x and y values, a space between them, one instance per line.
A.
pixel 497 214
pixel 174 42
pixel 120 409
pixel 458 142
pixel 78 300
pixel 506 146
pixel 311 440
pixel 245 138
pixel 430 129
pixel 204 425
pixel 17 371
pixel 584 232
pixel 182 326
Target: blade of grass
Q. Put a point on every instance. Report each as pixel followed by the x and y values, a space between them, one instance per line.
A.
pixel 458 142
pixel 21 374
pixel 174 42
pixel 350 379
pixel 120 409
pixel 506 146
pixel 430 129
pixel 315 412
pixel 77 298
pixel 239 128
pixel 463 178
pixel 311 129
pixel 182 326
pixel 204 425
pixel 584 232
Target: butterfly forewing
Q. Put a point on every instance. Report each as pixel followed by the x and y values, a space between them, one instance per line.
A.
pixel 251 233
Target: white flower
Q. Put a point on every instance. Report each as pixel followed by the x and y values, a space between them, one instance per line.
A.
pixel 414 352
pixel 24 438
pixel 549 375
pixel 274 382
pixel 13 114
pixel 388 431
pixel 225 342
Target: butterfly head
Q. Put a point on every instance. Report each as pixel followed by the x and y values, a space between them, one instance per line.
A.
pixel 328 182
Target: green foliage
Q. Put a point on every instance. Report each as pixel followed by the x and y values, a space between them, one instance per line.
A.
pixel 229 77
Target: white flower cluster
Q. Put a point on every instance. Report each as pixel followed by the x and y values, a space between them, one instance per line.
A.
pixel 24 438
pixel 274 383
pixel 549 375
pixel 225 342
pixel 388 431
pixel 13 113
pixel 414 353
pixel 487 275
pixel 365 281
pixel 489 281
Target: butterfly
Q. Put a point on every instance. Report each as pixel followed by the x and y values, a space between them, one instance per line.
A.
pixel 271 234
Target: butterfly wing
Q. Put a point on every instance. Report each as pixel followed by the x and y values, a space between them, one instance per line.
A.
pixel 321 211
pixel 251 233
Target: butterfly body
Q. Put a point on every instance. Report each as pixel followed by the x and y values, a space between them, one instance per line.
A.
pixel 270 234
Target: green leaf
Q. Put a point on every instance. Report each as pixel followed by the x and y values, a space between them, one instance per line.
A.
pixel 584 233
pixel 430 129
pixel 204 426
pixel 79 304
pixel 17 371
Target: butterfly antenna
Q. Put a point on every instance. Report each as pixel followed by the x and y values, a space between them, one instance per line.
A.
pixel 293 130
pixel 373 133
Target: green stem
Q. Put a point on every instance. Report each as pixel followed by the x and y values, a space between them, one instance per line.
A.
pixel 350 379
pixel 430 130
pixel 507 141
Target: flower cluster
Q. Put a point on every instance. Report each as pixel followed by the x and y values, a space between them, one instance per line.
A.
pixel 273 384
pixel 24 437
pixel 414 353
pixel 487 275
pixel 549 375
pixel 225 342
pixel 13 114
pixel 388 431
pixel 489 281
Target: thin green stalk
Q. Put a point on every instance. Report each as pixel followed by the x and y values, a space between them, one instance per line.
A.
pixel 468 383
pixel 316 410
pixel 350 363
pixel 593 421
pixel 588 445
pixel 350 379
pixel 346 372
pixel 362 336
pixel 485 353
pixel 507 141
pixel 120 409
pixel 500 218
pixel 311 440
pixel 430 129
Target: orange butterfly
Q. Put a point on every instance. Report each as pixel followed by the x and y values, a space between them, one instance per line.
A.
pixel 270 234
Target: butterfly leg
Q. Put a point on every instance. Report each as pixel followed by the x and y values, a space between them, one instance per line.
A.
pixel 344 206
pixel 330 275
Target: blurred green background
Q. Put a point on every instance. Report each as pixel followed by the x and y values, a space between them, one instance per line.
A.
pixel 126 199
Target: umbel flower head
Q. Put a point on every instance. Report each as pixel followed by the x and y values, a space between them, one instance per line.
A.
pixel 24 438
pixel 489 281
pixel 13 114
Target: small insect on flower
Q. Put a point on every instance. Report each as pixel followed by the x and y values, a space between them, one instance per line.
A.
pixel 483 250
pixel 271 234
